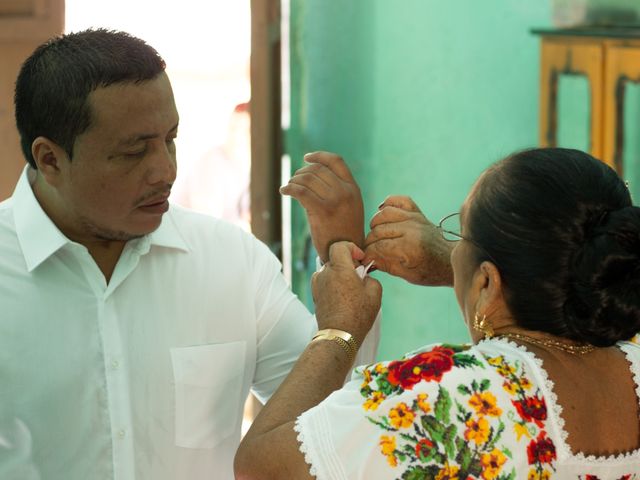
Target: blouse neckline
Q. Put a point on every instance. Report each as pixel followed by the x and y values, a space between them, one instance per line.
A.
pixel 564 451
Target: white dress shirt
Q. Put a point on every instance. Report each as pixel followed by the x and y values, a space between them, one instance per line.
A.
pixel 143 377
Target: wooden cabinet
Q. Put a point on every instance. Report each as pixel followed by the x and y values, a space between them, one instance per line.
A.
pixel 609 59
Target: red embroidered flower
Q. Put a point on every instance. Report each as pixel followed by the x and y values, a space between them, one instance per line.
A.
pixel 423 447
pixel 424 366
pixel 532 409
pixel 541 450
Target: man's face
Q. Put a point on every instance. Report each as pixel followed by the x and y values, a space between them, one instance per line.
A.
pixel 117 184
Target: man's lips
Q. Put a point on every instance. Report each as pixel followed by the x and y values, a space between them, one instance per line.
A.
pixel 156 205
pixel 156 200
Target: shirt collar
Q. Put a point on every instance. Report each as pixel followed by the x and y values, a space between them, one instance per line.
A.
pixel 167 234
pixel 40 238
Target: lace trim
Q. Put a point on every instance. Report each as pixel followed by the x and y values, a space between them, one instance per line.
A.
pixel 303 448
pixel 564 450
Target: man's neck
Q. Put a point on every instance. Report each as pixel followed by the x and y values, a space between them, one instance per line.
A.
pixel 105 253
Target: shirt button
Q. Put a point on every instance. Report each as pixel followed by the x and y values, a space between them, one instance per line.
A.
pixel 115 365
pixel 122 433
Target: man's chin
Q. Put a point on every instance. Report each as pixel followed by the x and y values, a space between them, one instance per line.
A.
pixel 125 234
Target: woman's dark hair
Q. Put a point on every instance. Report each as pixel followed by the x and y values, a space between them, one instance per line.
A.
pixel 566 240
pixel 55 81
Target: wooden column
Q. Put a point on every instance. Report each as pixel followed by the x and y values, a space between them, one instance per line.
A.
pixel 266 131
pixel 24 24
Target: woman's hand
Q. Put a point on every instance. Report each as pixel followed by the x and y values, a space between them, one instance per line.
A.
pixel 344 300
pixel 404 243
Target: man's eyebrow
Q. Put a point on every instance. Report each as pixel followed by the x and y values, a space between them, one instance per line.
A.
pixel 142 137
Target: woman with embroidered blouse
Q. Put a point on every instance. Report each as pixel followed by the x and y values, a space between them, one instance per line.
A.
pixel 546 269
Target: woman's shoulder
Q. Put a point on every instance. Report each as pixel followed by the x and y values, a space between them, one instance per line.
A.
pixel 472 409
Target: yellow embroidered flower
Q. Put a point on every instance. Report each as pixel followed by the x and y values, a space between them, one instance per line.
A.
pixel 512 388
pixel 477 430
pixel 388 447
pixel 448 472
pixel 495 361
pixel 367 376
pixel 535 475
pixel 401 416
pixel 373 401
pixel 521 430
pixel 492 464
pixel 380 369
pixel 504 368
pixel 484 403
pixel 387 444
pixel 422 402
pixel 525 383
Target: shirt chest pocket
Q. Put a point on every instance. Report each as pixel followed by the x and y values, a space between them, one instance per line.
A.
pixel 208 387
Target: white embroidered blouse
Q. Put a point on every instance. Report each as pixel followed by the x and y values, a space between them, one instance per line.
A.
pixel 453 412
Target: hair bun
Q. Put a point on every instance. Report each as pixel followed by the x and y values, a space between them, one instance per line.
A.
pixel 603 302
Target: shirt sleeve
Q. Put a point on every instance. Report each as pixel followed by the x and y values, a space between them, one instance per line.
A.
pixel 284 325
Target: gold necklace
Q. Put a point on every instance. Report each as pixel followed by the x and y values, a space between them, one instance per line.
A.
pixel 547 342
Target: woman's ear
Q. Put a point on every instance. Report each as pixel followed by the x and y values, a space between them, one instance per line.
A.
pixel 488 284
pixel 50 158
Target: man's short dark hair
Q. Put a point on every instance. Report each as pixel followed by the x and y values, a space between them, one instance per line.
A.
pixel 55 81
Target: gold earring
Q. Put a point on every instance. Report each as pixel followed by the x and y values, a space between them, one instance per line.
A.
pixel 483 325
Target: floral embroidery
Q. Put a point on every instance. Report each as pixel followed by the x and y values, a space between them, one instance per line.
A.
pixel 420 434
pixel 531 410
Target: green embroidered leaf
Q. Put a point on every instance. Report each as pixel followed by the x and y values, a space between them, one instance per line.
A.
pixel 442 407
pixel 484 384
pixel 507 452
pixel 409 438
pixel 474 386
pixel 448 440
pixel 420 473
pixel 456 347
pixel 434 428
pixel 464 454
pixel 491 443
pixel 465 361
pixel 384 425
pixel 475 468
pixel 439 458
pixel 464 390
pixel 384 386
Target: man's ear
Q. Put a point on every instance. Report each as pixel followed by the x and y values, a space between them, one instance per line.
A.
pixel 50 158
pixel 488 282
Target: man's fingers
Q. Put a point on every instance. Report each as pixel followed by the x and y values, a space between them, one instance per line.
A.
pixel 302 194
pixel 400 201
pixel 389 215
pixel 333 162
pixel 313 183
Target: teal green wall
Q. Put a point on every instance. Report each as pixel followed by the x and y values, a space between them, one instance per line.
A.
pixel 419 96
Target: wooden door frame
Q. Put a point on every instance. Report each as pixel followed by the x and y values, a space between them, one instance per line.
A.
pixel 266 129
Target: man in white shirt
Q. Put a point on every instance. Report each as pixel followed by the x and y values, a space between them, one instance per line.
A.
pixel 131 331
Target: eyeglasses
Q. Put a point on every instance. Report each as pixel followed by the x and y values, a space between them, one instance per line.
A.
pixel 450 228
